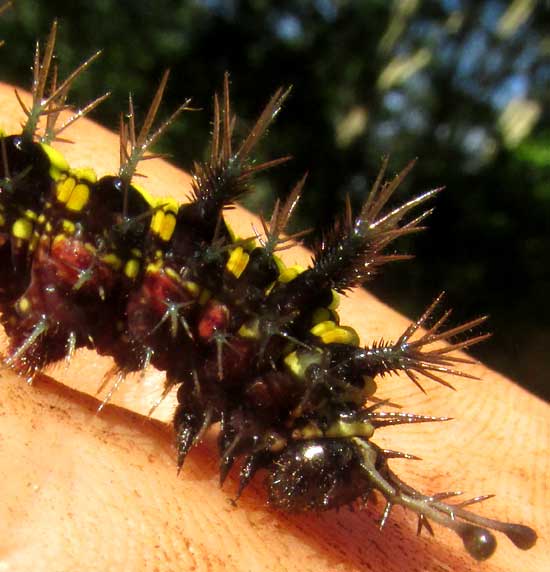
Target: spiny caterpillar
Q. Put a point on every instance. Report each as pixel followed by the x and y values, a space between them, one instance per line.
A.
pixel 248 341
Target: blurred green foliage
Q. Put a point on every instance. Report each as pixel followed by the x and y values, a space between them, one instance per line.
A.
pixel 462 85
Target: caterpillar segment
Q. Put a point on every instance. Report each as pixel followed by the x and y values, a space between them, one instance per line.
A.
pixel 193 261
pixel 32 174
pixel 82 238
pixel 250 343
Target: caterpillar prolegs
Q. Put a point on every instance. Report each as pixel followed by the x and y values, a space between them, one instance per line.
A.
pixel 249 342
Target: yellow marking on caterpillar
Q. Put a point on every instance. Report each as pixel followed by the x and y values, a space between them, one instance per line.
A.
pixel 237 262
pixel 79 197
pixel 64 189
pixel 330 333
pixel 192 287
pixel 30 215
pixel 335 300
pixel 250 330
pixel 34 242
pixel 90 247
pixel 338 429
pixel 297 362
pixel 249 244
pixel 269 288
pixel 58 238
pixel 68 226
pixel 205 296
pixel 131 269
pixel 321 315
pixel 58 163
pixel 309 431
pixel 86 174
pixel 23 305
pixel 151 201
pixel 168 226
pixel 232 235
pixel 22 228
pixel 163 222
pixel 279 262
pixel 172 274
pixel 73 195
pixel 156 222
pixel 353 429
pixel 2 219
pixel 288 274
pixel 74 190
pixel 154 267
pixel 112 260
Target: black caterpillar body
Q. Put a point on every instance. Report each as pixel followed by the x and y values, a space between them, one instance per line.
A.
pixel 249 342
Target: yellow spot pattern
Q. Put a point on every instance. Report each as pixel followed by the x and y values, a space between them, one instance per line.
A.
pixel 131 269
pixel 238 260
pixel 331 333
pixel 22 228
pixel 73 195
pixel 112 260
pixel 58 163
pixel 23 305
pixel 163 222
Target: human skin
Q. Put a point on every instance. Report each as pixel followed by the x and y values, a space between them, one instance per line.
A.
pixel 88 491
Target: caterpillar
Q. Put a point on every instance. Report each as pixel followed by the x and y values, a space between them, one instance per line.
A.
pixel 248 341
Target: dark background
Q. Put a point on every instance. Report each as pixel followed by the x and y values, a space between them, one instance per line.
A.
pixel 462 85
